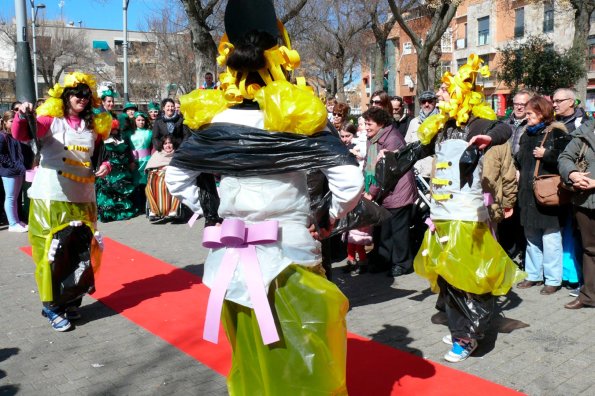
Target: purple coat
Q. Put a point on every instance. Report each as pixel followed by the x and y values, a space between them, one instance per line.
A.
pixel 405 192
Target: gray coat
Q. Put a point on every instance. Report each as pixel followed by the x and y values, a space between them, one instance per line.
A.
pixel 566 162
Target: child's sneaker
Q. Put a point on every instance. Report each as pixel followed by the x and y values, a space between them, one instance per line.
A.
pixel 461 349
pixel 447 339
pixel 58 322
pixel 18 227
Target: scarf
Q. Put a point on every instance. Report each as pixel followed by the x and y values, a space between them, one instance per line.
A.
pixel 170 122
pixel 371 155
pixel 159 159
pixel 423 116
pixel 534 129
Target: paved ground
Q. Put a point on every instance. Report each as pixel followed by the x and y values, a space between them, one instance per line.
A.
pixel 538 347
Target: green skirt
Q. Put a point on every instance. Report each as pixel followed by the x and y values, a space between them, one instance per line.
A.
pixel 310 358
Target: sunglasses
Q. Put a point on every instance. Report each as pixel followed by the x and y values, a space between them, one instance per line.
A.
pixel 424 101
pixel 83 95
pixel 375 102
pixel 337 114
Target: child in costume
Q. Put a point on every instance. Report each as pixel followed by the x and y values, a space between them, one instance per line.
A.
pixel 162 204
pixel 285 322
pixel 114 192
pixel 459 255
pixel 63 213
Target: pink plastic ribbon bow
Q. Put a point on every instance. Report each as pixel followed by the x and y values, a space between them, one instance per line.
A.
pixel 240 241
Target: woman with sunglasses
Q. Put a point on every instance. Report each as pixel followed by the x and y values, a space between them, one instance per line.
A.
pixel 63 210
pixel 340 114
pixel 382 100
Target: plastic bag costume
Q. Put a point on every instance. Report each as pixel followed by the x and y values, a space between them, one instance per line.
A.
pixel 63 214
pixel 290 336
pixel 459 255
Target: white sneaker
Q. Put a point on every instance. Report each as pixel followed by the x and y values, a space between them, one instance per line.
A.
pixel 447 339
pixel 18 227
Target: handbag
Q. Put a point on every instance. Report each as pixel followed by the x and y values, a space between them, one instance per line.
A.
pixel 549 189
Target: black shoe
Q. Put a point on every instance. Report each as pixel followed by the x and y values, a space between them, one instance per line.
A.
pixel 349 267
pixel 395 271
pixel 359 269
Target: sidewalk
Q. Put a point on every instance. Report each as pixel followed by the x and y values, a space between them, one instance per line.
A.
pixel 549 352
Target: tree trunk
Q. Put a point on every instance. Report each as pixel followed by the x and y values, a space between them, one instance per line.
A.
pixel 340 87
pixel 423 83
pixel 205 53
pixel 379 61
pixel 582 25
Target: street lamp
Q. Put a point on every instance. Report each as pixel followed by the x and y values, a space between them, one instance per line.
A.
pixel 34 10
pixel 125 48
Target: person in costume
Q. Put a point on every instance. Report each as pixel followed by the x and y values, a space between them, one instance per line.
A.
pixel 153 111
pixel 126 118
pixel 162 205
pixel 107 101
pixel 141 142
pixel 459 255
pixel 115 191
pixel 63 213
pixel 284 320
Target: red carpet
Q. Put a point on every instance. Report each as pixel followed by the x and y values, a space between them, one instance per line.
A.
pixel 171 303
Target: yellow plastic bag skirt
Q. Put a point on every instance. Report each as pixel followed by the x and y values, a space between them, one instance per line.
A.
pixel 310 358
pixel 47 217
pixel 469 258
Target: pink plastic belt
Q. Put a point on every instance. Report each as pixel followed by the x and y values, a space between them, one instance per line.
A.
pixel 142 153
pixel 240 242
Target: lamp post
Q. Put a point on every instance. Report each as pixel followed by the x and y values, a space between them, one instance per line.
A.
pixel 34 10
pixel 125 49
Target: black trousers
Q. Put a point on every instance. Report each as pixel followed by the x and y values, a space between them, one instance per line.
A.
pixel 586 224
pixel 391 240
pixel 469 315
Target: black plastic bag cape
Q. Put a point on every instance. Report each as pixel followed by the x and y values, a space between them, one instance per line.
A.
pixel 237 150
pixel 366 213
pixel 394 165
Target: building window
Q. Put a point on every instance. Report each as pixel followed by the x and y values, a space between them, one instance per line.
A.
pixel 548 17
pixel 591 59
pixel 483 30
pixel 486 62
pixel 407 48
pixel 446 41
pixel 442 68
pixel 519 22
pixel 461 62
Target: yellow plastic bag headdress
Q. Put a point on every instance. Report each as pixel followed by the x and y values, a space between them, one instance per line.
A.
pixel 466 98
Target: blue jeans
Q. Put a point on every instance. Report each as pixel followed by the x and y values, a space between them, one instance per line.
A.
pixel 544 255
pixel 12 188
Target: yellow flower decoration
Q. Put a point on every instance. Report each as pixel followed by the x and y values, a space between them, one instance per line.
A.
pixel 54 106
pixel 466 98
pixel 299 111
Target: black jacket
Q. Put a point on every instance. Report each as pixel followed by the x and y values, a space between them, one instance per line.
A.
pixel 532 214
pixel 180 131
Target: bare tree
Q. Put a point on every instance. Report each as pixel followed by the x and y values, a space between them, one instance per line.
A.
pixel 333 47
pixel 582 24
pixel 204 20
pixel 174 48
pixel 440 14
pixel 60 49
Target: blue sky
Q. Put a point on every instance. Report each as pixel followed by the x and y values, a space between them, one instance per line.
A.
pixel 102 14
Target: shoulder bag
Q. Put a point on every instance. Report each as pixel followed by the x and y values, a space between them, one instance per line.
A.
pixel 549 189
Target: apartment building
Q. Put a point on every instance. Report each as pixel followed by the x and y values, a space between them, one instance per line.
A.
pixel 483 27
pixel 102 50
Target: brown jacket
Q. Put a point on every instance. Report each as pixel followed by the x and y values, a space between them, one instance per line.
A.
pixel 499 179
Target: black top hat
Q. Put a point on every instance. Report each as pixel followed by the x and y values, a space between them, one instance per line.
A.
pixel 243 16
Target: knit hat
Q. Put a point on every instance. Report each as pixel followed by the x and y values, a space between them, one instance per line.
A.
pixel 153 106
pixel 427 95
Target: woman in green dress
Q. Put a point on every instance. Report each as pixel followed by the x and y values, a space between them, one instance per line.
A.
pixel 114 192
pixel 141 145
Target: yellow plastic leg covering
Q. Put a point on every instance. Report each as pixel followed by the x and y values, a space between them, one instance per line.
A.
pixel 47 217
pixel 310 358
pixel 468 257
